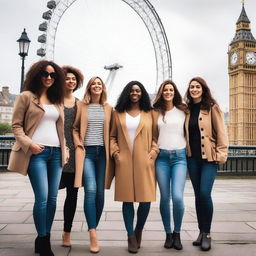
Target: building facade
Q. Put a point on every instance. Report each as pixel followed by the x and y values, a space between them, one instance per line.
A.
pixel 242 84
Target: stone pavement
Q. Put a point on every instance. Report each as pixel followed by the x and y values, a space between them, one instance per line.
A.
pixel 233 228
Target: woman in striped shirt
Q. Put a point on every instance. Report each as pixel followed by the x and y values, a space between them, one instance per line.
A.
pixel 91 140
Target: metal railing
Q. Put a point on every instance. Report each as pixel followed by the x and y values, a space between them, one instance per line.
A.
pixel 241 159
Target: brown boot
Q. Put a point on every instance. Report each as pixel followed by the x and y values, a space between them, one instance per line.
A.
pixel 66 239
pixel 138 234
pixel 94 247
pixel 132 244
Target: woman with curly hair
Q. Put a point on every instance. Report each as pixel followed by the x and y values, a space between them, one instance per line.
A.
pixel 74 80
pixel 171 164
pixel 134 152
pixel 40 150
pixel 207 145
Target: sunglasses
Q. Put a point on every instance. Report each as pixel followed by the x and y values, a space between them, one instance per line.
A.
pixel 45 74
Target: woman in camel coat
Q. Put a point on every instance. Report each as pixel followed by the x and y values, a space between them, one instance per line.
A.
pixel 134 151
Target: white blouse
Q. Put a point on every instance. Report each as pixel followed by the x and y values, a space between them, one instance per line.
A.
pixel 132 124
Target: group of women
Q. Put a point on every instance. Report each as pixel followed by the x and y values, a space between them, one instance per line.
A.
pixel 63 142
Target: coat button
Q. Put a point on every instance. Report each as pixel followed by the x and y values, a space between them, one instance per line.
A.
pixel 202 137
pixel 202 145
pixel 200 118
pixel 203 153
pixel 202 129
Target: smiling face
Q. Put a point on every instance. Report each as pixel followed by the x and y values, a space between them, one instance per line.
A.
pixel 168 92
pixel 96 87
pixel 48 77
pixel 195 91
pixel 71 82
pixel 135 94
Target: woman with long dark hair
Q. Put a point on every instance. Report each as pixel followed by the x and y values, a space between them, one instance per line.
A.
pixel 207 146
pixel 74 80
pixel 40 150
pixel 91 140
pixel 134 152
pixel 171 163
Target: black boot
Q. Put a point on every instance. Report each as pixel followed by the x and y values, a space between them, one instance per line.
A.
pixel 132 244
pixel 206 242
pixel 48 245
pixel 138 235
pixel 45 247
pixel 168 241
pixel 198 241
pixel 37 245
pixel 176 241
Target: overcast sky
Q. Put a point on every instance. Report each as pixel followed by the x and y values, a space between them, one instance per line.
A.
pixel 94 33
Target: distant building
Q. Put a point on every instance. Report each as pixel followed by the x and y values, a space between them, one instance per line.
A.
pixel 6 105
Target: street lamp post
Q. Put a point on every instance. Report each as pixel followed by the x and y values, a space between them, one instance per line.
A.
pixel 23 46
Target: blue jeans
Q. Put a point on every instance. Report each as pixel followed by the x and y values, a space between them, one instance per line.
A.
pixel 128 215
pixel 202 174
pixel 171 170
pixel 94 182
pixel 44 172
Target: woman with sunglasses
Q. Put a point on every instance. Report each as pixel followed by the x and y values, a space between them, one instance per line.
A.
pixel 40 150
pixel 91 140
pixel 207 145
pixel 134 152
pixel 74 80
pixel 171 163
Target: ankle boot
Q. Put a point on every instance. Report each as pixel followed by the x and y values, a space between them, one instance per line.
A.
pixel 132 244
pixel 138 235
pixel 198 241
pixel 206 242
pixel 176 241
pixel 48 245
pixel 168 241
pixel 44 246
pixel 37 245
pixel 94 247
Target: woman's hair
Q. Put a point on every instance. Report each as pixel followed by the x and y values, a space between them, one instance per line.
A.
pixel 207 100
pixel 124 103
pixel 87 95
pixel 159 102
pixel 77 73
pixel 33 81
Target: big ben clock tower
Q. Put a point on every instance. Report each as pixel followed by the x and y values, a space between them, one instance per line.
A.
pixel 242 84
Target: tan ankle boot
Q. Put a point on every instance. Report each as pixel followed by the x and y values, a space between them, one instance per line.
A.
pixel 94 247
pixel 66 239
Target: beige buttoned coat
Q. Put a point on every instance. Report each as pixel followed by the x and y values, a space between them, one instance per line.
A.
pixel 79 132
pixel 27 114
pixel 134 171
pixel 214 139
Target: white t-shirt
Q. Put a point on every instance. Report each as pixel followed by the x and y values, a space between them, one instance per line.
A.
pixel 46 131
pixel 171 130
pixel 132 124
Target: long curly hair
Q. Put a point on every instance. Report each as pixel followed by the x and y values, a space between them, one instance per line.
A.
pixel 207 100
pixel 33 81
pixel 77 73
pixel 159 103
pixel 124 103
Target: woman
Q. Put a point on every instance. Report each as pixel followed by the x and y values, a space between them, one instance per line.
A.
pixel 134 151
pixel 74 80
pixel 171 163
pixel 207 146
pixel 91 140
pixel 39 150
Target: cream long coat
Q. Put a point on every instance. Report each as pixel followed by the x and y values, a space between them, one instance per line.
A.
pixel 79 132
pixel 214 139
pixel 27 114
pixel 134 173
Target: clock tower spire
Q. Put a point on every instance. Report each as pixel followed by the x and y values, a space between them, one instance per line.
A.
pixel 242 83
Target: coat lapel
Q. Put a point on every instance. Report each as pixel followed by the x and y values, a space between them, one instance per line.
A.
pixel 141 123
pixel 37 103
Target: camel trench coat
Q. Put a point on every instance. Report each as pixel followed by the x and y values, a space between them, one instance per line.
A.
pixel 135 179
pixel 214 139
pixel 79 132
pixel 27 114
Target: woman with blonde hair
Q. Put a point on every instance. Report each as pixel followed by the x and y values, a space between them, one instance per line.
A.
pixel 91 141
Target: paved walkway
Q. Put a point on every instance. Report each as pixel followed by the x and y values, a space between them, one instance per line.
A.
pixel 233 229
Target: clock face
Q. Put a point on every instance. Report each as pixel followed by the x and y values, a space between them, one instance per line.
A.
pixel 234 58
pixel 250 58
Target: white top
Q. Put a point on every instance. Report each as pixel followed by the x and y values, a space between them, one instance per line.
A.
pixel 171 130
pixel 46 131
pixel 132 124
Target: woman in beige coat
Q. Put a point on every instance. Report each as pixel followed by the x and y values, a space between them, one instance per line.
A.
pixel 91 141
pixel 39 150
pixel 134 151
pixel 207 145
